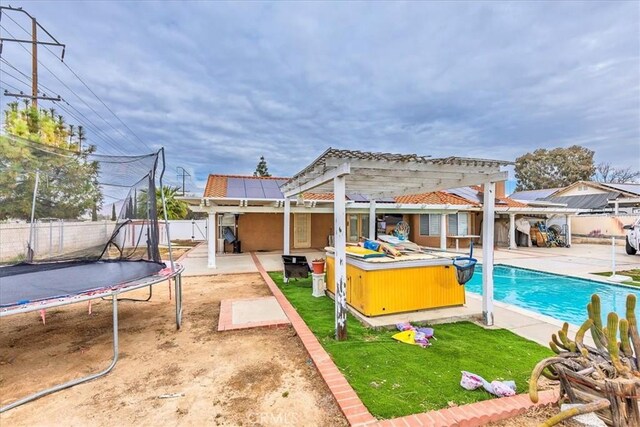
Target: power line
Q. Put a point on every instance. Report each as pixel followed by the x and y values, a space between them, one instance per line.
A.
pixel 16 78
pixel 71 90
pixel 95 128
pixel 89 89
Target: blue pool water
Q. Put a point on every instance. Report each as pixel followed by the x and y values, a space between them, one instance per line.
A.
pixel 563 298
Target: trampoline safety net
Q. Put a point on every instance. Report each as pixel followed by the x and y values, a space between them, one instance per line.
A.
pixel 60 205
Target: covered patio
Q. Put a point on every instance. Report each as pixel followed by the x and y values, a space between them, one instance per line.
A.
pixel 377 176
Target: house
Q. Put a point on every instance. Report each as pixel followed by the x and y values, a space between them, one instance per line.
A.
pixel 588 196
pixel 250 210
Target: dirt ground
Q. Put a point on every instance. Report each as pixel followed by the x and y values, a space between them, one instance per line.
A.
pixel 259 377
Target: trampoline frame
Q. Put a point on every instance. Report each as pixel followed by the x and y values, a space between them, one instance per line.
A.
pixel 113 292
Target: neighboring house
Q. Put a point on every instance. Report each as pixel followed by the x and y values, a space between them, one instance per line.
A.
pixel 588 196
pixel 250 209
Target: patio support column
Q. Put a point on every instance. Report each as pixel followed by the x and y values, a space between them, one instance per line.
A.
pixel 512 231
pixel 443 231
pixel 212 238
pixel 372 220
pixel 287 227
pixel 567 219
pixel 340 242
pixel 487 251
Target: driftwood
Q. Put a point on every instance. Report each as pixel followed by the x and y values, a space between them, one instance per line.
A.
pixel 604 378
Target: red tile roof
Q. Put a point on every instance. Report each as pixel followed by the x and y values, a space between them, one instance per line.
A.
pixel 217 187
pixel 217 183
pixel 506 201
pixel 434 198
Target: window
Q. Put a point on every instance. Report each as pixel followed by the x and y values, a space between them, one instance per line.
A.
pixel 357 225
pixel 582 188
pixel 430 224
pixel 459 224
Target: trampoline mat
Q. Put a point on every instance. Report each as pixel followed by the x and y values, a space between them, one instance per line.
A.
pixel 34 282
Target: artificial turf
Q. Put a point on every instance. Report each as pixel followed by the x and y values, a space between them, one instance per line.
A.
pixel 634 274
pixel 395 379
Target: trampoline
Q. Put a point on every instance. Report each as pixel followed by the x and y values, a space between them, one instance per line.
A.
pixel 21 291
pixel 83 260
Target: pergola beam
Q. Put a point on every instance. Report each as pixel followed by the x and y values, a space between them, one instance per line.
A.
pixel 293 189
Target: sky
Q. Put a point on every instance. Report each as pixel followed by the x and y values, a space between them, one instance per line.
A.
pixel 220 84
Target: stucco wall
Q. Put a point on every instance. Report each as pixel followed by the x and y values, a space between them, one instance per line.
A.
pixel 434 241
pixel 264 231
pixel 601 225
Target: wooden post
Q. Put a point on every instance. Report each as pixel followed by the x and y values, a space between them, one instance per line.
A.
pixel 212 240
pixel 512 231
pixel 443 231
pixel 372 220
pixel 340 242
pixel 487 252
pixel 568 222
pixel 287 227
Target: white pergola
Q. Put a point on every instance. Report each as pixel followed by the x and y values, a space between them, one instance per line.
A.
pixel 382 175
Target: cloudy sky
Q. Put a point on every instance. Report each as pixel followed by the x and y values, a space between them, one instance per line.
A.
pixel 220 84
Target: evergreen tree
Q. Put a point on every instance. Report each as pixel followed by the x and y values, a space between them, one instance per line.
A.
pixel 113 212
pixel 261 168
pixel 553 168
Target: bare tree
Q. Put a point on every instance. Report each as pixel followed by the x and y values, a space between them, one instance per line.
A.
pixel 607 173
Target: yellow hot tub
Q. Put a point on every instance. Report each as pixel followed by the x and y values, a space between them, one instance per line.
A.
pixel 412 282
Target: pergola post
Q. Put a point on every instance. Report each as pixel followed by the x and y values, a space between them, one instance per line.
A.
pixel 487 251
pixel 443 231
pixel 372 220
pixel 568 222
pixel 287 227
pixel 512 231
pixel 212 237
pixel 340 242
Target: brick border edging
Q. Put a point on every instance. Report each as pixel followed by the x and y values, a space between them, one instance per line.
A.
pixel 225 319
pixel 470 415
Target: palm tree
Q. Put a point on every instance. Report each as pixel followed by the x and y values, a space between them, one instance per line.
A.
pixel 82 136
pixel 176 209
pixel 72 133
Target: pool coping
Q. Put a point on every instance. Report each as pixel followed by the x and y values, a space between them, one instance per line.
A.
pixel 357 414
pixel 598 279
pixel 539 316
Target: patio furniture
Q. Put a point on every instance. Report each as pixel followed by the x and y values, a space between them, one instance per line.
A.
pixel 295 267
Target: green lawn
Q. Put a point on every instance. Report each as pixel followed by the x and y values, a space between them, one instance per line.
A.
pixel 634 274
pixel 395 379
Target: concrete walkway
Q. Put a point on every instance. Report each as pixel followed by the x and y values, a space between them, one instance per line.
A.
pixel 195 261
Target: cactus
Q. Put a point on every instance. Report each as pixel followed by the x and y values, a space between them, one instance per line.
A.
pixel 625 344
pixel 614 358
pixel 633 325
pixel 566 342
pixel 614 353
pixel 593 309
pixel 580 334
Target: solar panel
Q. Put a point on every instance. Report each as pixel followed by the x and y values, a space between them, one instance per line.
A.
pixel 235 188
pixel 252 183
pixel 357 197
pixel 271 189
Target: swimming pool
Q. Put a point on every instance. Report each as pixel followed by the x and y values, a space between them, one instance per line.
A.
pixel 561 297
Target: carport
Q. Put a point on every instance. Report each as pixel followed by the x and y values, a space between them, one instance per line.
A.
pixel 381 175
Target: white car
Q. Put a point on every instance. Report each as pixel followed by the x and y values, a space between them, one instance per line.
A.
pixel 633 237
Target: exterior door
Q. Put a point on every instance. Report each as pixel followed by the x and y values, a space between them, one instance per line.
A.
pixel 301 231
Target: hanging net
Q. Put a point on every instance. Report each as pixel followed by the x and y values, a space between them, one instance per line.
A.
pixel 58 205
pixel 465 267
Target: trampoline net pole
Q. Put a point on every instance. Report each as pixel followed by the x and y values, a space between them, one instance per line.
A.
pixel 164 211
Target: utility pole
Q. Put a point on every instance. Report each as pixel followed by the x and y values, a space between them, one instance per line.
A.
pixel 34 42
pixel 183 174
pixel 34 62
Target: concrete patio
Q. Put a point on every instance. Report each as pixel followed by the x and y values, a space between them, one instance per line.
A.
pixel 579 261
